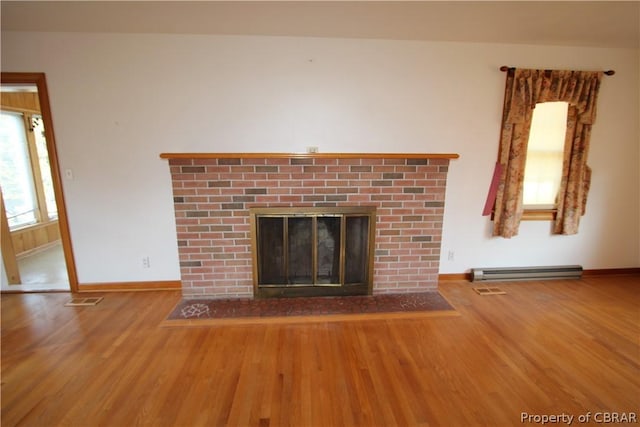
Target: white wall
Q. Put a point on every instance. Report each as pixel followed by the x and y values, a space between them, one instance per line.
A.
pixel 119 100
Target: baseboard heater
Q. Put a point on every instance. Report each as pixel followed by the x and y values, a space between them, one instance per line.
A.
pixel 526 273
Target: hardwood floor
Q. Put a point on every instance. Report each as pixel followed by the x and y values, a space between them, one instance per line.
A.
pixel 544 348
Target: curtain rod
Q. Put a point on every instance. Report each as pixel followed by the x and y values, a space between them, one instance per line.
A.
pixel 608 72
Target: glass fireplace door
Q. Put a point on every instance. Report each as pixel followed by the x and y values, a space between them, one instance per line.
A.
pixel 299 243
pixel 310 250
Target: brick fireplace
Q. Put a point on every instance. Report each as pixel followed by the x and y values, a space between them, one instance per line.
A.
pixel 213 194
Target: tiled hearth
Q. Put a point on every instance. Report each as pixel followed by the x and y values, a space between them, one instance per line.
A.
pixel 213 194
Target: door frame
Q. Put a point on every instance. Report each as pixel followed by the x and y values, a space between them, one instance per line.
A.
pixel 40 81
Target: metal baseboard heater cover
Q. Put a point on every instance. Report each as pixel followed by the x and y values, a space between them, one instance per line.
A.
pixel 526 273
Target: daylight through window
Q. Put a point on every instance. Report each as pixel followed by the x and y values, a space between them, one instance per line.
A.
pixel 545 153
pixel 25 173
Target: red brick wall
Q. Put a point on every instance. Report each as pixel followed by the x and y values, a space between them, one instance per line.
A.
pixel 212 198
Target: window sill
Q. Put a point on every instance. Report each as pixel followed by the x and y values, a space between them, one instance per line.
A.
pixel 539 215
pixel 34 226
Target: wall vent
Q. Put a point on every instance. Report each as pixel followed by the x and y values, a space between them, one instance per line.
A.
pixel 526 273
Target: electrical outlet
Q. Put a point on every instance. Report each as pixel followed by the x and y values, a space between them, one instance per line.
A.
pixel 451 256
pixel 146 262
pixel 312 149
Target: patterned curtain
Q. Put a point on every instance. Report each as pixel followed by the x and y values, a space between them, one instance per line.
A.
pixel 524 89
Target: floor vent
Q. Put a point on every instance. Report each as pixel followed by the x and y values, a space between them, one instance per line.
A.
pixel 526 273
pixel 489 291
pixel 82 302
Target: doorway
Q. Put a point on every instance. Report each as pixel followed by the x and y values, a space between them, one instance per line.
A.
pixel 36 245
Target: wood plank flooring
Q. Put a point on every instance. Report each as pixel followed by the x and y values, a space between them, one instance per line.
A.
pixel 549 347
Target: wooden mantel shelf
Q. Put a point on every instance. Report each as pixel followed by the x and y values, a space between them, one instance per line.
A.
pixel 309 156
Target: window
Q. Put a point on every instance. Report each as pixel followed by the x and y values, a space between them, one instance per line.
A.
pixel 25 175
pixel 545 153
pixel 45 167
pixel 526 90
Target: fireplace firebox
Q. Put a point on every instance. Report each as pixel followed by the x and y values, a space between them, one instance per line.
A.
pixel 319 251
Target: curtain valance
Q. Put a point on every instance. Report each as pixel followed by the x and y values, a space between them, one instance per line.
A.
pixel 529 87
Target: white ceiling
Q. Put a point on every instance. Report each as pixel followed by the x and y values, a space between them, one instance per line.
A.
pixel 572 23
